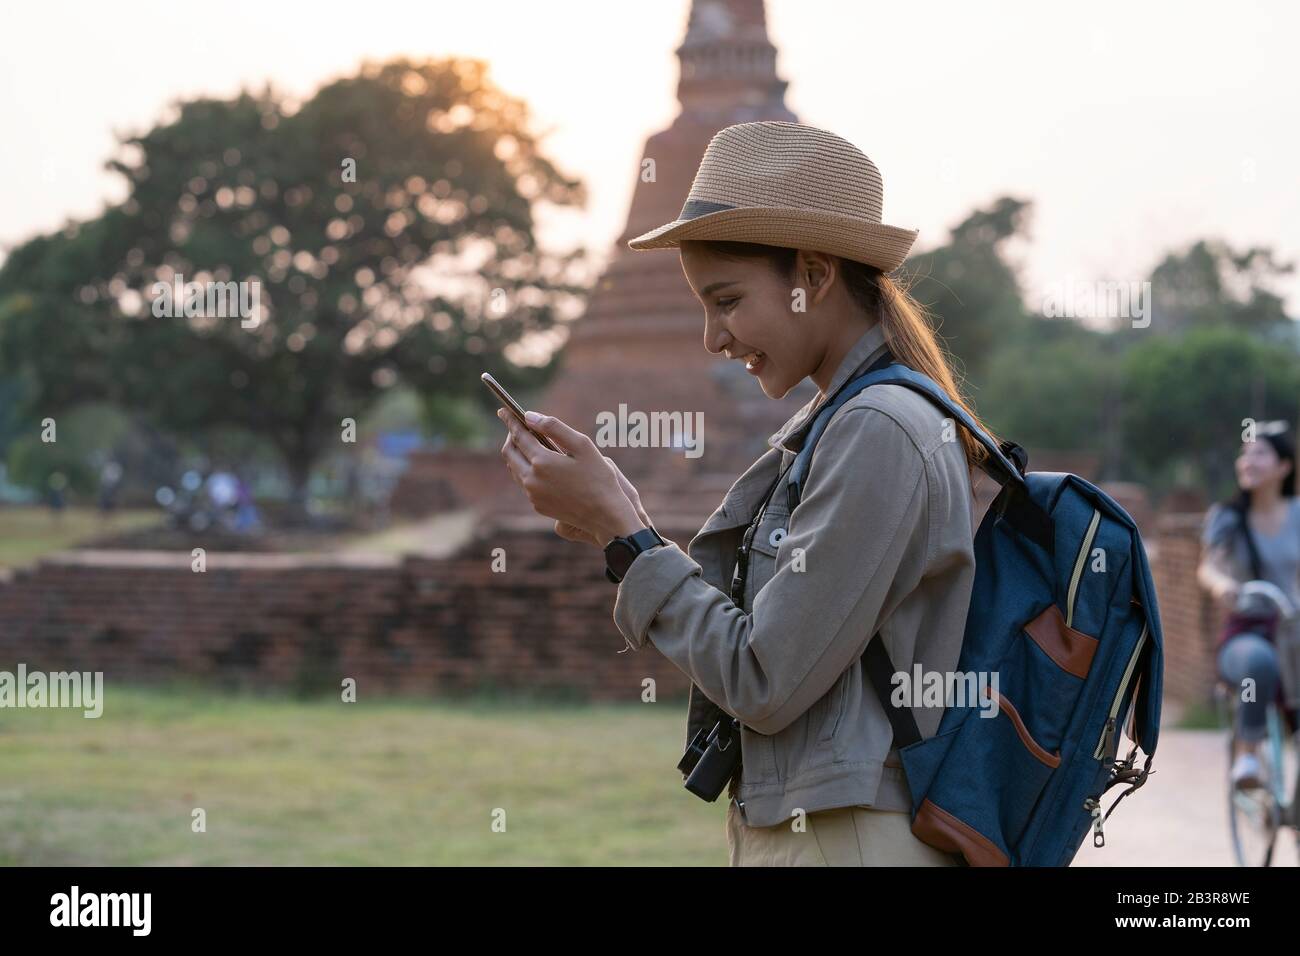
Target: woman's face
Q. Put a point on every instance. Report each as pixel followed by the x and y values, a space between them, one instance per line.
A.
pixel 748 309
pixel 1258 466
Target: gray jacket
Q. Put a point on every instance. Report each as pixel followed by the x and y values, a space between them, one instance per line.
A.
pixel 882 540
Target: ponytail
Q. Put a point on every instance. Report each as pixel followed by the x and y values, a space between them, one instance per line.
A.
pixel 912 339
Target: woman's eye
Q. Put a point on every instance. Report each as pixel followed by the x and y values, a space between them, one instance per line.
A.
pixel 727 303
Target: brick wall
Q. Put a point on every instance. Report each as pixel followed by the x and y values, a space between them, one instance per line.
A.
pixel 450 478
pixel 414 625
pixel 1188 616
pixel 418 625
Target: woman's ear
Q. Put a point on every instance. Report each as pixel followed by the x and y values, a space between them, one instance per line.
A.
pixel 816 272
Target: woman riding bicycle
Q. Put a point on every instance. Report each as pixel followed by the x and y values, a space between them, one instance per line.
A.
pixel 1255 536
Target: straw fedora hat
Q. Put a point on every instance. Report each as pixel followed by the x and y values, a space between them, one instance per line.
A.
pixel 786 184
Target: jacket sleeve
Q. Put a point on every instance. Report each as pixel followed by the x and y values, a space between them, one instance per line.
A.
pixel 861 529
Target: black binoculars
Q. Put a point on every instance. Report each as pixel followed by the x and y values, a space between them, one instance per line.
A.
pixel 711 759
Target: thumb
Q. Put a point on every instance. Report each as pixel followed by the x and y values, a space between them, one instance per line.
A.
pixel 570 439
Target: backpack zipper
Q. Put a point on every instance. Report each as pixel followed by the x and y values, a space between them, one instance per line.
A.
pixel 1079 562
pixel 1109 729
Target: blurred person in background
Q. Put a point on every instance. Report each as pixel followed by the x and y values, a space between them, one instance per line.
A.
pixel 54 487
pixel 110 481
pixel 1255 535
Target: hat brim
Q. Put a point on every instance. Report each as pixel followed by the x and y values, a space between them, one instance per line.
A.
pixel 884 247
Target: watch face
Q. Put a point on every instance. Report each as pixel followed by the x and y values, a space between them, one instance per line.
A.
pixel 618 556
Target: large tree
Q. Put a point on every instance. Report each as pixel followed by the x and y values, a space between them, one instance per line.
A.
pixel 387 222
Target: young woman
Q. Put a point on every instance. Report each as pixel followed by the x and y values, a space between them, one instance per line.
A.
pixel 1263 517
pixel 781 241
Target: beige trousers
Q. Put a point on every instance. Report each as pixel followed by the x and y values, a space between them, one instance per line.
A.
pixel 847 836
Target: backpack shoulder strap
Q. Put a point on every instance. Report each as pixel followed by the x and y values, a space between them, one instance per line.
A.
pixel 1015 503
pixel 997 464
pixel 880 672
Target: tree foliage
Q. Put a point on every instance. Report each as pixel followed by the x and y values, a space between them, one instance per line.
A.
pixel 423 270
pixel 1210 282
pixel 1185 399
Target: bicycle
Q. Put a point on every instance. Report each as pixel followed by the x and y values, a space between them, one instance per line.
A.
pixel 1257 814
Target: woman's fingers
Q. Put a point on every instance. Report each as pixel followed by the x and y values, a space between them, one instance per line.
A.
pixel 515 460
pixel 529 446
pixel 570 439
pixel 570 486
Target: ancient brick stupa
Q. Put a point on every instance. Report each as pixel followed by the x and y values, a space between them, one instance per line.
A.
pixel 640 343
pixel 641 340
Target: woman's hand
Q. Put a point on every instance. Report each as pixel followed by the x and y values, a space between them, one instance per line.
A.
pixel 1228 593
pixel 1213 575
pixel 573 533
pixel 589 498
pixel 629 491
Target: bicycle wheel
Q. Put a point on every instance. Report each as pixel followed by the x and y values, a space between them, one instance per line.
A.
pixel 1254 814
pixel 1291 812
pixel 1254 817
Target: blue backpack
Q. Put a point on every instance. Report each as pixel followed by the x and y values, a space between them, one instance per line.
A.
pixel 1063 612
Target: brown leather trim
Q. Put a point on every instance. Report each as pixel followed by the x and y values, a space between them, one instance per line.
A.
pixel 1008 708
pixel 1071 650
pixel 941 830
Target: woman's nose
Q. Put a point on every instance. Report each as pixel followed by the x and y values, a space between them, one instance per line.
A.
pixel 716 338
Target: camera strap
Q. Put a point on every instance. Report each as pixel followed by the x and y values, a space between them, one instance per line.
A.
pixel 741 574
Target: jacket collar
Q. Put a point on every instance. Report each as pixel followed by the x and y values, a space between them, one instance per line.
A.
pixel 866 350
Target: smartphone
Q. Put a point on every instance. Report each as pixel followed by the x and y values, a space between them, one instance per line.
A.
pixel 513 407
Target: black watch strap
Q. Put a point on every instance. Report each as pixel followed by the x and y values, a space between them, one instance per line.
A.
pixel 621 552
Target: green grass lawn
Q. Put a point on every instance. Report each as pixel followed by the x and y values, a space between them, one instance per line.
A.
pixel 291 782
pixel 27 533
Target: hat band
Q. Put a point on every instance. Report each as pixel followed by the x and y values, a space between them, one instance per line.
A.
pixel 695 208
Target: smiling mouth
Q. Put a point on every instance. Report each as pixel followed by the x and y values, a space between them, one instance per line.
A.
pixel 753 360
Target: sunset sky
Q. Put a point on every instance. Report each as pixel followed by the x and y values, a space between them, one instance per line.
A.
pixel 1134 128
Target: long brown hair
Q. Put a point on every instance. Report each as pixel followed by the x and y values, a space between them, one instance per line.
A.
pixel 906 323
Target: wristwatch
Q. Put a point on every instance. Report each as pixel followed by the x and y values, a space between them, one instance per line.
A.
pixel 621 552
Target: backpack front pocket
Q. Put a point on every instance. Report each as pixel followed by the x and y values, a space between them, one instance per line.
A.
pixel 1005 751
pixel 1043 673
